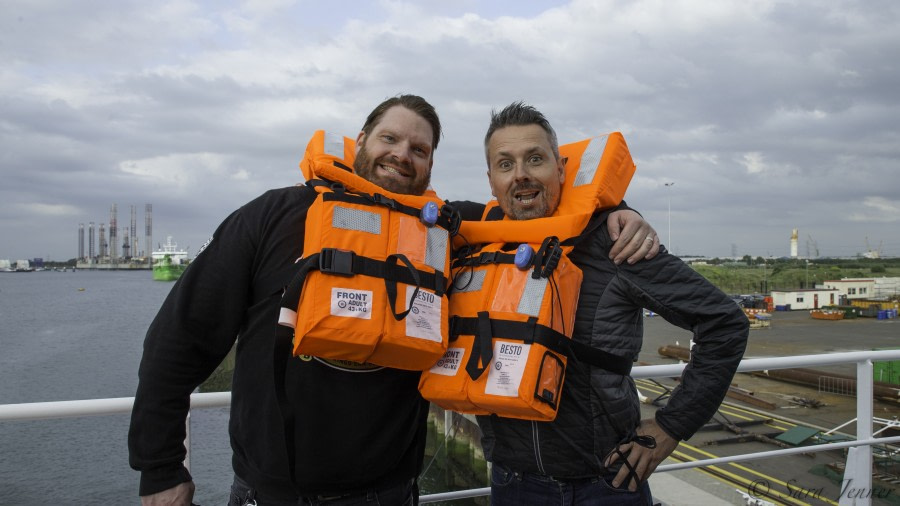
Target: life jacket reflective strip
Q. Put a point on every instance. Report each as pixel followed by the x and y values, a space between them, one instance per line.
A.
pixel 517 325
pixel 598 171
pixel 372 284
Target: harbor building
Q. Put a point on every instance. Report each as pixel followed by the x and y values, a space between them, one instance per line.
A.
pixel 811 298
pixel 852 288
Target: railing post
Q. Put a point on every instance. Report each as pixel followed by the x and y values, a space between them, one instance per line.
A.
pixel 856 487
pixel 448 421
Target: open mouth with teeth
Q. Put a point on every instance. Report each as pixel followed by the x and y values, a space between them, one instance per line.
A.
pixel 393 171
pixel 527 197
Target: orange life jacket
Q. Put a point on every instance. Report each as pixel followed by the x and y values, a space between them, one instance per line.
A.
pixel 372 285
pixel 511 321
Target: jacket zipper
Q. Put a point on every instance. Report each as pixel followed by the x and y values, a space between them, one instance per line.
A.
pixel 536 441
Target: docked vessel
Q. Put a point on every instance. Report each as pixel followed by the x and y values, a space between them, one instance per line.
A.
pixel 169 262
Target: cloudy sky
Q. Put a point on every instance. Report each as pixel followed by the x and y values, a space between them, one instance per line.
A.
pixel 767 115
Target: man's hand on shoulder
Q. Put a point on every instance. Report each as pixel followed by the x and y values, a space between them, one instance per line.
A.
pixel 179 495
pixel 634 238
pixel 643 459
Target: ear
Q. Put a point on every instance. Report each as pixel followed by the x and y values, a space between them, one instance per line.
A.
pixel 561 168
pixel 360 139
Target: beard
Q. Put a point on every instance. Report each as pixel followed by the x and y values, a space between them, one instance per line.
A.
pixel 367 168
pixel 544 204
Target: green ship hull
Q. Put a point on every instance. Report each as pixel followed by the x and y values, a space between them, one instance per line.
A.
pixel 169 262
pixel 169 272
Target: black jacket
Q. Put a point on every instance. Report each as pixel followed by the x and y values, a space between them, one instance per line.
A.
pixel 600 409
pixel 357 428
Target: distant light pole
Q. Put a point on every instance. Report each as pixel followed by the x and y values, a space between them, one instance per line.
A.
pixel 669 194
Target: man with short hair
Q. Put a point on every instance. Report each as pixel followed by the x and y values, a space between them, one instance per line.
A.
pixel 360 428
pixel 598 450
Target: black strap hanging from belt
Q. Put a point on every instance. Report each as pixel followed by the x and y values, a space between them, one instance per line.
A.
pixel 390 285
pixel 281 353
pixel 482 348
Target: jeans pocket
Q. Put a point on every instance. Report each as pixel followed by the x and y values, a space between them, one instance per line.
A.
pixel 606 483
pixel 501 476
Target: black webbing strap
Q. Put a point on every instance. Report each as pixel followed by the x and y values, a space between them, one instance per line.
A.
pixel 314 183
pixel 547 258
pixel 482 348
pixel 275 282
pixel 376 199
pixel 581 352
pixel 281 353
pixel 347 263
pixel 528 332
pixel 484 258
pixel 390 285
pixel 448 217
pixel 342 166
pixel 291 297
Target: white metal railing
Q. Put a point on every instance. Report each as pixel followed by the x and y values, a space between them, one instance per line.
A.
pixel 864 413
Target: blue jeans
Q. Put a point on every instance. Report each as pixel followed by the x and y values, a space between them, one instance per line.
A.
pixel 406 494
pixel 516 489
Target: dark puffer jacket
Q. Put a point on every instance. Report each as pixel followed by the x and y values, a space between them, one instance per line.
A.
pixel 600 409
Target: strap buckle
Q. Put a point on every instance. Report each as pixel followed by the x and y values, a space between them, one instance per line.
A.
pixel 487 257
pixel 336 261
pixel 453 218
pixel 549 254
pixel 384 201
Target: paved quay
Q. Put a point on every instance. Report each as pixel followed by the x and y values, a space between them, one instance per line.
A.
pixel 796 479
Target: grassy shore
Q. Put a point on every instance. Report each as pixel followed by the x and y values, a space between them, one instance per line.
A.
pixel 762 276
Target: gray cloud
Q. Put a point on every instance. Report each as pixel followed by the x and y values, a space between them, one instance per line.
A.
pixel 768 116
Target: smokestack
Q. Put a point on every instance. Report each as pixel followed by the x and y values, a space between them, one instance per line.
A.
pixel 133 245
pixel 103 244
pixel 148 231
pixel 126 246
pixel 113 233
pixel 91 241
pixel 794 244
pixel 81 241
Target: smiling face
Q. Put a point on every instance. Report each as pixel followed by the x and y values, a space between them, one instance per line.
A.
pixel 524 174
pixel 397 153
